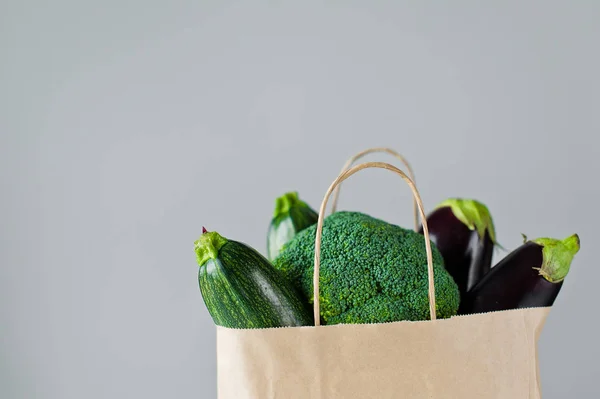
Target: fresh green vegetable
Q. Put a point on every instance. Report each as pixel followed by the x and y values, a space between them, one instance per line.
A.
pixel 291 216
pixel 241 289
pixel 371 271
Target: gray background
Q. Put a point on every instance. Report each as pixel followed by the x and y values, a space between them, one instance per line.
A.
pixel 127 125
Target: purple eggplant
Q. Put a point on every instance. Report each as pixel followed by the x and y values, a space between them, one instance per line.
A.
pixel 463 231
pixel 530 276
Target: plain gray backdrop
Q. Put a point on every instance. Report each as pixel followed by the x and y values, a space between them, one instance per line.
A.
pixel 128 125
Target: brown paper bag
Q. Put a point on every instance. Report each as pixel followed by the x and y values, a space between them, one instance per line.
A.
pixel 490 355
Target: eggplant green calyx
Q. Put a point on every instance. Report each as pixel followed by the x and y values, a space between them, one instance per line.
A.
pixel 473 214
pixel 557 256
pixel 286 202
pixel 208 246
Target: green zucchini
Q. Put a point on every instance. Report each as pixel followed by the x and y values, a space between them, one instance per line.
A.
pixel 241 289
pixel 291 216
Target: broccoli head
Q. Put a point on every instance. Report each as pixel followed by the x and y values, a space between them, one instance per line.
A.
pixel 371 271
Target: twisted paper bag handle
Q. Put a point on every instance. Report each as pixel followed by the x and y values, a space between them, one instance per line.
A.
pixel 361 154
pixel 343 176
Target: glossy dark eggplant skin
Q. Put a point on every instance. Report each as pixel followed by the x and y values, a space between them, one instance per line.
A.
pixel 513 283
pixel 467 256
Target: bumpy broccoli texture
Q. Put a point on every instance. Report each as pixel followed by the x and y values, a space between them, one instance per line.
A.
pixel 371 271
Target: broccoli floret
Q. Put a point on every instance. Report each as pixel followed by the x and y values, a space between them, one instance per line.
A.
pixel 371 271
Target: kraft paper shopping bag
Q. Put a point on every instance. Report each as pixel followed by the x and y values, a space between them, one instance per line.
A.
pixel 478 356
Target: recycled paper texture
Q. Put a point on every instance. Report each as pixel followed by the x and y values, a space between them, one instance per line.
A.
pixel 491 355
